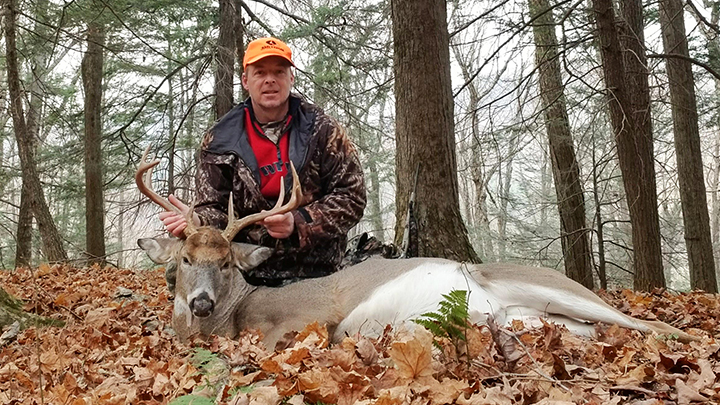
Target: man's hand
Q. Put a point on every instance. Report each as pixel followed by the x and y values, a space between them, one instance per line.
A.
pixel 280 226
pixel 175 223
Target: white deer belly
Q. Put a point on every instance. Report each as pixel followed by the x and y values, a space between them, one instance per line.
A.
pixel 411 294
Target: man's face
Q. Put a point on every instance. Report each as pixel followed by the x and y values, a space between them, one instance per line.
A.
pixel 269 81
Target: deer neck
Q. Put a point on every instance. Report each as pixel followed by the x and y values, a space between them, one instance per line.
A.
pixel 221 322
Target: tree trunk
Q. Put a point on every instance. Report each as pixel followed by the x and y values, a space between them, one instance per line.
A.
pixel 628 98
pixel 504 182
pixel 715 201
pixel 225 59
pixel 566 173
pixel 696 219
pixel 240 44
pixel 425 136
pixel 92 73
pixel 374 207
pixel 713 60
pixel 599 221
pixel 23 238
pixel 23 252
pixel 478 175
pixel 52 243
pixel 374 203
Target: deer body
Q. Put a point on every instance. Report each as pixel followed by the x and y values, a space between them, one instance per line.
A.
pixel 212 297
pixel 366 297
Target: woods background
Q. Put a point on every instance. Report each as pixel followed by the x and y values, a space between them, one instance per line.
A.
pixel 575 135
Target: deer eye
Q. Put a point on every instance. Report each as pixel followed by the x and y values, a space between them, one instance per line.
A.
pixel 185 260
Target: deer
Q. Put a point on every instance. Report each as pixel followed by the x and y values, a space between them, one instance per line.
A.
pixel 212 297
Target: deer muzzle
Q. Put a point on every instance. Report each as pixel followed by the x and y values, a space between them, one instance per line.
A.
pixel 202 305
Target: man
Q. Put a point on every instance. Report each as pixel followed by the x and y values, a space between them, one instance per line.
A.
pixel 249 149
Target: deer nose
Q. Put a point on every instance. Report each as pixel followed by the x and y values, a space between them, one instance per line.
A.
pixel 202 305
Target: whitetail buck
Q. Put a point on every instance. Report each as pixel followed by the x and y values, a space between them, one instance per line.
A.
pixel 212 297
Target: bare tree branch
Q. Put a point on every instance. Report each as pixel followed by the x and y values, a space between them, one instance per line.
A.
pixel 694 61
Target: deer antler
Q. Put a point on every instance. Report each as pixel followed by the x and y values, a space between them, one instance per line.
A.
pixel 143 179
pixel 235 225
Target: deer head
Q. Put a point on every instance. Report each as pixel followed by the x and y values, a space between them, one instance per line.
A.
pixel 207 260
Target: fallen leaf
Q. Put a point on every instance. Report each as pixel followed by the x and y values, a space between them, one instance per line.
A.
pixel 413 357
pixel 687 394
pixel 264 396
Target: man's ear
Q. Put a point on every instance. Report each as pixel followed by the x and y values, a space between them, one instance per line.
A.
pixel 244 80
pixel 250 256
pixel 160 250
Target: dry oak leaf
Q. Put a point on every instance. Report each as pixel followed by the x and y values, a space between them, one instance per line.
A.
pixel 318 385
pixel 552 335
pixel 296 400
pixel 638 375
pixel 625 357
pixel 240 399
pixel 288 361
pixel 43 270
pixel 677 363
pixel 490 396
pixel 558 396
pixel 560 371
pixel 115 389
pixel 314 335
pixel 399 395
pixel 366 351
pixel 478 343
pixel 143 377
pixel 345 359
pixel 98 317
pixel 161 386
pixel 687 394
pixel 264 396
pixel 447 391
pixel 240 380
pixel 707 376
pixel 12 371
pixel 413 357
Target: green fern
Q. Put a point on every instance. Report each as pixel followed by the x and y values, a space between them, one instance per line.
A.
pixel 213 370
pixel 450 320
pixel 192 400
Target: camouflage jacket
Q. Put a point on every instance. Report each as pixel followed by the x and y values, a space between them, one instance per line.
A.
pixel 332 184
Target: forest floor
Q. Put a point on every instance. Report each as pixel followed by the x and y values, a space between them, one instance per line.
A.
pixel 117 347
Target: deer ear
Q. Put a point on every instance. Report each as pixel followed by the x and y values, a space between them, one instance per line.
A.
pixel 158 249
pixel 250 256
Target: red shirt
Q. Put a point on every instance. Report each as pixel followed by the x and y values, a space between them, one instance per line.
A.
pixel 273 161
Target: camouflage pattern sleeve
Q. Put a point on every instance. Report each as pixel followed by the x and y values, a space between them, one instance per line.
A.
pixel 213 182
pixel 342 205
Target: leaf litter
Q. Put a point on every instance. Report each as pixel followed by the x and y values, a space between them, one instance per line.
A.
pixel 118 347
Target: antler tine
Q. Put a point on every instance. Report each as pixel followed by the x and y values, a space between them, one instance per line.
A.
pixel 143 180
pixel 234 226
pixel 231 209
